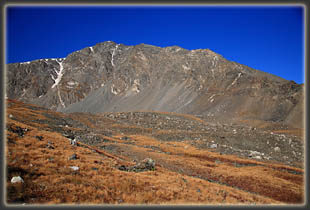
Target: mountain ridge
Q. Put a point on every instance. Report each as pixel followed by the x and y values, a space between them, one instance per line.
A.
pixel 115 77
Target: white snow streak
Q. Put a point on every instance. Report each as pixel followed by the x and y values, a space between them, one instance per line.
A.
pixel 62 103
pixel 187 103
pixel 59 74
pixel 234 82
pixel 91 49
pixel 213 73
pixel 214 61
pixel 113 90
pixel 211 98
pixel 113 53
pixel 24 92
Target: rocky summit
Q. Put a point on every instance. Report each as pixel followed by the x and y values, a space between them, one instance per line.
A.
pixel 111 77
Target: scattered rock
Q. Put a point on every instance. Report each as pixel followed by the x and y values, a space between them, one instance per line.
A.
pixel 217 161
pixel 277 149
pixel 74 168
pixel 69 136
pixel 16 129
pixel 40 138
pixel 254 153
pixel 289 141
pixel 50 146
pixel 213 146
pixel 123 168
pixel 16 179
pixel 147 164
pixel 73 142
pixel 73 157
pixel 11 140
pixel 125 138
pixel 11 116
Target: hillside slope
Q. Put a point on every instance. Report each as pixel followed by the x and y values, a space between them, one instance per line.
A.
pixel 111 77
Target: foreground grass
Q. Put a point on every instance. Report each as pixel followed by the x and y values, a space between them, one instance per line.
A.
pixel 183 174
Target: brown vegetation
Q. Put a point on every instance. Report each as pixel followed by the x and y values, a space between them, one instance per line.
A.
pixel 183 174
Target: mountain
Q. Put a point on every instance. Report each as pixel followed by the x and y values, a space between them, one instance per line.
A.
pixel 111 77
pixel 148 125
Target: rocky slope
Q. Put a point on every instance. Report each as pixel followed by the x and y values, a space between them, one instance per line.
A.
pixel 111 77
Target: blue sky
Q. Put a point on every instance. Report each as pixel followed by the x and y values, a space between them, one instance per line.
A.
pixel 267 38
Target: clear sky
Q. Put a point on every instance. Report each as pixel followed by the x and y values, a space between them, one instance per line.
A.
pixel 269 39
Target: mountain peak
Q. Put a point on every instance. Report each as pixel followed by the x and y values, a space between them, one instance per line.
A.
pixel 112 77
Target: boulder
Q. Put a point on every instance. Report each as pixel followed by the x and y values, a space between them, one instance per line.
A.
pixel 17 179
pixel 74 168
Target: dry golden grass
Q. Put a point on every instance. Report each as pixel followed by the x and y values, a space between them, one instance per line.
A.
pixel 183 175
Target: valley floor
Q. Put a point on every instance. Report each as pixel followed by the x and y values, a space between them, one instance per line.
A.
pixel 196 162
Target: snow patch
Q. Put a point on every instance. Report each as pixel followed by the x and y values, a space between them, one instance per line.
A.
pixel 235 80
pixel 59 74
pixel 91 49
pixel 214 61
pixel 61 101
pixel 113 53
pixel 24 92
pixel 211 98
pixel 187 102
pixel 213 73
pixel 25 62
